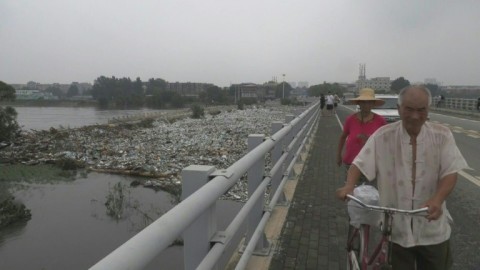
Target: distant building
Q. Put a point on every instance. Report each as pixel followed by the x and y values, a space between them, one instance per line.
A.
pixel 260 92
pixel 188 89
pixel 83 88
pixel 377 84
pixel 32 94
pixel 299 92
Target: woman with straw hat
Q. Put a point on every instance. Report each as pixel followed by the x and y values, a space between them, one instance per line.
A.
pixel 359 126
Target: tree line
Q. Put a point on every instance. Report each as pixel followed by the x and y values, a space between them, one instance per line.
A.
pixel 395 87
pixel 123 92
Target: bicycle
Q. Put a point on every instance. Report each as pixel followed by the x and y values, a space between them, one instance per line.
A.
pixel 358 239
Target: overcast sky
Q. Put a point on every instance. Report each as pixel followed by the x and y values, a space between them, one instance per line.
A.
pixel 226 41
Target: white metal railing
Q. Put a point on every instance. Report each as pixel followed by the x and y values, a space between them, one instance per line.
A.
pixel 194 217
pixel 464 104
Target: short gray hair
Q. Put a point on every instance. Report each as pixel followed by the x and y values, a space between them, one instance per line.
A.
pixel 421 87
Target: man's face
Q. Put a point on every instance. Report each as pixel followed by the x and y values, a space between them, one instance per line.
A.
pixel 414 110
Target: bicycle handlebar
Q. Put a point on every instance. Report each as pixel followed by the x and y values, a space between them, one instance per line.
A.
pixel 388 209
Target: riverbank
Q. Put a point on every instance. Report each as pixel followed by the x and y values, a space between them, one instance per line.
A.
pixel 50 103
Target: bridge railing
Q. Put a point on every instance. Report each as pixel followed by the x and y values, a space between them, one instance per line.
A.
pixel 465 104
pixel 204 246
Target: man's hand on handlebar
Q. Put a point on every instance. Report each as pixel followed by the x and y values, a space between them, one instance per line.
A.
pixel 342 192
pixel 434 209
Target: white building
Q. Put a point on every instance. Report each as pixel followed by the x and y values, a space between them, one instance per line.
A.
pixel 377 84
pixel 28 94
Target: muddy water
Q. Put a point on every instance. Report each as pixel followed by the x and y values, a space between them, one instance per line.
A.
pixel 69 228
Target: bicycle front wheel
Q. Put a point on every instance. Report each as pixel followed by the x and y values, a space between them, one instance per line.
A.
pixel 356 247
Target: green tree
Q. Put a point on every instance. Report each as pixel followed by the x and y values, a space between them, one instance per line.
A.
pixel 214 94
pixel 334 88
pixel 398 84
pixel 8 116
pixel 155 85
pixel 56 91
pixel 434 89
pixel 7 92
pixel 72 90
pixel 120 92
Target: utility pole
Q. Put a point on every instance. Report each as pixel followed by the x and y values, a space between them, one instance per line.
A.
pixel 283 87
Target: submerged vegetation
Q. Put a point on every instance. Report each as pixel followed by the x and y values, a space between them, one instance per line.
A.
pixel 13 176
pixel 117 200
pixel 12 212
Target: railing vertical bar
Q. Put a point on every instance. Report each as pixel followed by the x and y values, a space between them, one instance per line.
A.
pixel 254 177
pixel 196 237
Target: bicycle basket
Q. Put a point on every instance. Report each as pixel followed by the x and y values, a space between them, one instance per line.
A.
pixel 358 215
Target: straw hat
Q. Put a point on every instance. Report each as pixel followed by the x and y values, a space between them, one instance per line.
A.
pixel 367 94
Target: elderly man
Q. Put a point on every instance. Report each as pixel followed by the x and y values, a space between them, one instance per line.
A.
pixel 416 164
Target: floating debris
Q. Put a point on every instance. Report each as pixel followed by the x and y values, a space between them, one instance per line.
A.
pixel 158 150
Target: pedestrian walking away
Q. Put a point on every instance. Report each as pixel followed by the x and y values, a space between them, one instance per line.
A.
pixel 415 163
pixel 322 103
pixel 330 102
pixel 336 100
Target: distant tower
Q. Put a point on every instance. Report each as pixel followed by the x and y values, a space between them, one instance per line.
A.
pixel 362 71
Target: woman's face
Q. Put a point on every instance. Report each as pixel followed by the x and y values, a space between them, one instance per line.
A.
pixel 366 105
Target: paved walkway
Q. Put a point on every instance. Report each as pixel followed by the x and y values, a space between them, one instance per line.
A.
pixel 314 233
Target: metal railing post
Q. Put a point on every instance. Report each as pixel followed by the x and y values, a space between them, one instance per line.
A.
pixel 288 139
pixel 196 238
pixel 275 156
pixel 255 176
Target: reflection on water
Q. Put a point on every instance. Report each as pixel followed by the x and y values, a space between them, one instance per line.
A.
pixel 69 228
pixel 11 233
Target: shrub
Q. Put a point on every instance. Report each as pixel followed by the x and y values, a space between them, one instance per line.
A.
pixel 197 111
pixel 8 123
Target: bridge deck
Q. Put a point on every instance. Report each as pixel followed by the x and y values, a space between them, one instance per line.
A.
pixel 314 232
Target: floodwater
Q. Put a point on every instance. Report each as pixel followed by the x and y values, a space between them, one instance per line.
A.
pixel 68 117
pixel 69 228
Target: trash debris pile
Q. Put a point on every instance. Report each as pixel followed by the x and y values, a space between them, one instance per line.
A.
pixel 158 152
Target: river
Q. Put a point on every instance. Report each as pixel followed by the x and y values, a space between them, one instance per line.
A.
pixel 69 228
pixel 69 117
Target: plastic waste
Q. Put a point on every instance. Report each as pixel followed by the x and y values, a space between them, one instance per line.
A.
pixel 359 215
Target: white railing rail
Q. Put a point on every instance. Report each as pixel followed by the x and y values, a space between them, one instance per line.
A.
pixel 194 217
pixel 464 104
